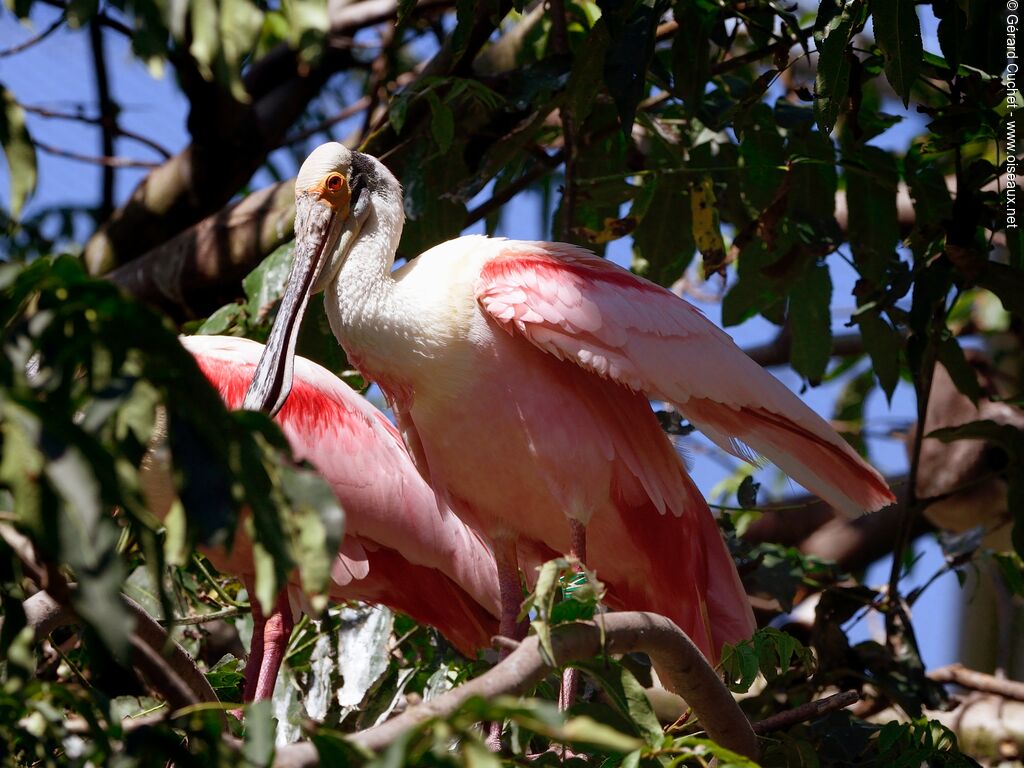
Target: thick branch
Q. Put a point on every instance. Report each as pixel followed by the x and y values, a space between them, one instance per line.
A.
pixel 819 530
pixel 162 662
pixel 231 141
pixel 201 268
pixel 682 667
pixel 960 675
pixel 776 351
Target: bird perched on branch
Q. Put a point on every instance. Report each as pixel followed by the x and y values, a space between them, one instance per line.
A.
pixel 520 372
pixel 400 548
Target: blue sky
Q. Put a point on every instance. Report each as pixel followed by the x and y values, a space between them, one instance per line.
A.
pixel 56 74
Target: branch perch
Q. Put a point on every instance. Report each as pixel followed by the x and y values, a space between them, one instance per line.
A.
pixel 682 667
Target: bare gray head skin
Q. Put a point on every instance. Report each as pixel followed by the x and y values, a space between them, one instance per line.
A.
pixel 335 191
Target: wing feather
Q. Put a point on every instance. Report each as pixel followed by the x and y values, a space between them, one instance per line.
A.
pixel 610 322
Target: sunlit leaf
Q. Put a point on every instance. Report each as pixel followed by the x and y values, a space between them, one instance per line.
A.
pixel 18 150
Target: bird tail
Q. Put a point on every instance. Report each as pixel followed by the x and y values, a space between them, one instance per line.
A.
pixel 689 575
pixel 809 452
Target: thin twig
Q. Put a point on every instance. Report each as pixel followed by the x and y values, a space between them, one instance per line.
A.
pixel 205 618
pixel 82 118
pixel 809 711
pixel 505 194
pixel 217 587
pixel 33 40
pixel 102 18
pixel 116 162
pixel 352 109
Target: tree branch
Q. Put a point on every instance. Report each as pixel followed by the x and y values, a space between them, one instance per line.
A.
pixel 808 711
pixel 162 662
pixel 776 351
pixel 104 160
pixel 682 667
pixel 960 675
pixel 108 117
pixel 200 269
pixel 26 44
pixel 230 140
pixel 83 118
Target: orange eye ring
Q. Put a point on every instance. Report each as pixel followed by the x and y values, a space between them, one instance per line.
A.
pixel 334 182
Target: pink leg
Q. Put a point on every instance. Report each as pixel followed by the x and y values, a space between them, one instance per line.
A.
pixel 270 635
pixel 511 593
pixel 578 550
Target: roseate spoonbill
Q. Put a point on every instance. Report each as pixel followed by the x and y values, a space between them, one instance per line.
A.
pixel 400 548
pixel 520 372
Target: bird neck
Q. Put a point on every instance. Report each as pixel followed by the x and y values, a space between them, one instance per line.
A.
pixel 365 274
pixel 362 295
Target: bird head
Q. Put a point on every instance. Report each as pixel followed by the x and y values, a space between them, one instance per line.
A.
pixel 335 195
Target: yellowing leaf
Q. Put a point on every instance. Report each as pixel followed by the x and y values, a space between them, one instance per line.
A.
pixel 706 231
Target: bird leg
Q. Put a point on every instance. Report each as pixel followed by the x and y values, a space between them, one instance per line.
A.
pixel 270 635
pixel 577 550
pixel 511 593
pixel 510 590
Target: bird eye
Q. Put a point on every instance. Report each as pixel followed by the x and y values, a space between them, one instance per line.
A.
pixel 334 182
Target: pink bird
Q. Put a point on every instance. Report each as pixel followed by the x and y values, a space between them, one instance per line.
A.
pixel 520 372
pixel 400 548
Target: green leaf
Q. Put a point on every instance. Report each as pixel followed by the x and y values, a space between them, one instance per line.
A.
pixel 746 494
pixel 588 731
pixel 264 286
pixel 399 110
pixel 19 151
pixel 813 179
pixel 258 748
pixel 663 245
pixel 898 34
pixel 834 27
pixel 960 371
pixel 317 526
pixel 631 28
pixel 222 319
pixel 871 185
pixel 691 50
pixel 1007 283
pixel 405 7
pixel 587 72
pixel 763 154
pixel 627 695
pixel 308 26
pixel 810 322
pixel 1015 248
pixel 442 123
pixel 883 343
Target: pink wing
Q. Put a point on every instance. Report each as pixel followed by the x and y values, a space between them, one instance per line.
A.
pixel 400 548
pixel 608 321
